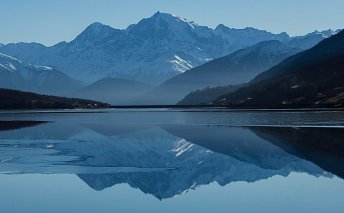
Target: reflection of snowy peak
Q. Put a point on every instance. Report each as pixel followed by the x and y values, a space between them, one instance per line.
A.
pixel 152 50
pixel 159 162
pixel 15 74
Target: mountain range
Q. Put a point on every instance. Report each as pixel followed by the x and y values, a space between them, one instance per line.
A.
pixel 152 51
pixel 15 74
pixel 123 66
pixel 313 78
pixel 236 68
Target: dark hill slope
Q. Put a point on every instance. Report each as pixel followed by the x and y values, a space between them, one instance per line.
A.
pixel 14 99
pixel 236 68
pixel 313 78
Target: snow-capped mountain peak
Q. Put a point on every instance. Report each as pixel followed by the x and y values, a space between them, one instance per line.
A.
pixel 167 17
pixel 172 19
pixel 151 51
pixel 163 26
pixel 15 74
pixel 329 33
pixel 324 33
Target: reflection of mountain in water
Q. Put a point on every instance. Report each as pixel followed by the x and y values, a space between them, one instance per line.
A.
pixel 323 146
pixel 160 160
pixel 11 125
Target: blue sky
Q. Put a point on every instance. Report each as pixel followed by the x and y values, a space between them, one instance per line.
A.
pixel 50 21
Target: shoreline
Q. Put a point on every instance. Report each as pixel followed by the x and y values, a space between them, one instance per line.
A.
pixel 165 107
pixel 220 108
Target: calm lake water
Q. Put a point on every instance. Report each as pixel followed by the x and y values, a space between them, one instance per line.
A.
pixel 171 161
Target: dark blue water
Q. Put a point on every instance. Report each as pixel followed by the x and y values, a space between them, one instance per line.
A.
pixel 171 161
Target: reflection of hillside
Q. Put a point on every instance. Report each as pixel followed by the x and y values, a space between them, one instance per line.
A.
pixel 160 160
pixel 322 146
pixel 216 154
pixel 239 143
pixel 12 125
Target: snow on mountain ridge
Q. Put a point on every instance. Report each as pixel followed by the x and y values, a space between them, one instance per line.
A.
pixel 324 33
pixel 4 56
pixel 10 61
pixel 144 51
pixel 248 36
pixel 180 64
pixel 15 74
pixel 168 16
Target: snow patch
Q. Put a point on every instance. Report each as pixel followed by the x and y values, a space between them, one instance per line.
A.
pixel 181 147
pixel 6 160
pixel 49 146
pixel 180 64
pixel 10 57
pixel 43 67
pixel 3 66
pixel 12 67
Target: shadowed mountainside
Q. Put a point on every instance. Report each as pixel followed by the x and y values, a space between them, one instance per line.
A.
pixel 14 99
pixel 311 79
pixel 236 68
pixel 112 90
pixel 322 146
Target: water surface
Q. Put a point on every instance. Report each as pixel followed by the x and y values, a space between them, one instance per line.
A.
pixel 171 161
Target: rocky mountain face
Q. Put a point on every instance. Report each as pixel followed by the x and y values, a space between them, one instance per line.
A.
pixel 309 40
pixel 236 68
pixel 151 51
pixel 15 74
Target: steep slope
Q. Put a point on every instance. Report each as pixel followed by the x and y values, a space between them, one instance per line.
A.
pixel 112 90
pixel 14 99
pixel 206 96
pixel 153 50
pixel 313 78
pixel 15 74
pixel 236 68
